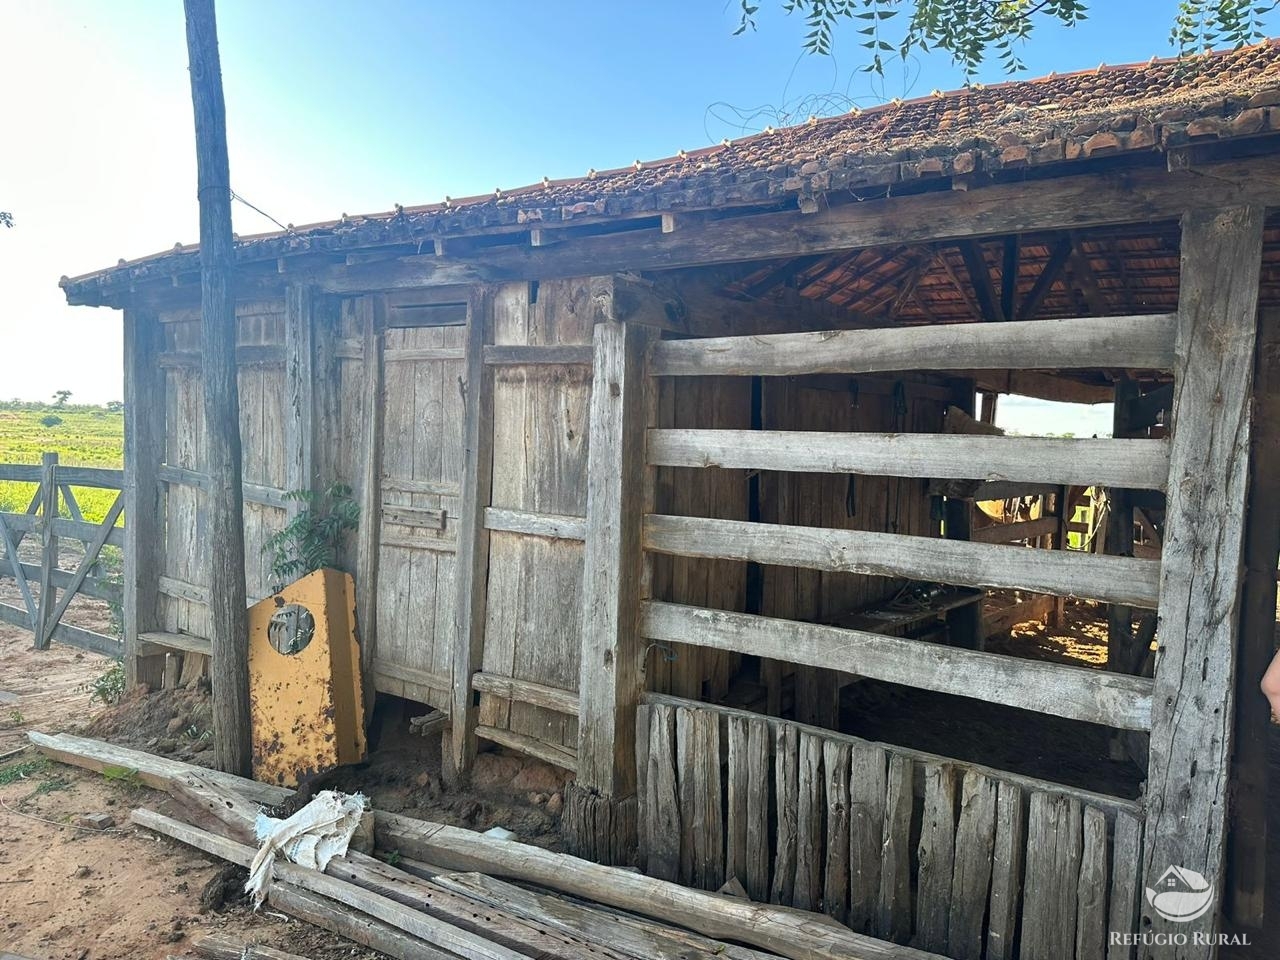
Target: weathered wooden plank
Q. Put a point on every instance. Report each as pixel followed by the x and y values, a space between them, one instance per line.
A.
pixel 897 555
pixel 759 741
pixel 66 633
pixel 835 886
pixel 739 776
pixel 414 354
pixel 527 356
pixel 893 905
pixel 345 922
pixel 1006 871
pixel 253 492
pixel 663 814
pixel 971 879
pixel 810 814
pixel 535 524
pixel 48 548
pixel 1052 878
pixel 86 564
pixel 611 664
pixel 97 477
pixel 1126 867
pixel 1194 700
pixel 85 532
pixel 867 788
pixel 1075 692
pixel 426 517
pixel 552 753
pixel 1091 896
pixel 300 389
pixel 247 355
pixel 19 574
pixel 937 852
pixel 786 762
pixel 1140 342
pixel 1131 463
pixel 1013 532
pixel 707 812
pixel 372 314
pixel 526 691
pixel 158 642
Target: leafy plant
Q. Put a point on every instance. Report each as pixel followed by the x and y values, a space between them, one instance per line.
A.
pixel 22 771
pixel 16 719
pixel 970 29
pixel 109 687
pixel 314 537
pixel 51 420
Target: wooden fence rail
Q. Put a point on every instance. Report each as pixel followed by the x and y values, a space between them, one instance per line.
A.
pixel 42 612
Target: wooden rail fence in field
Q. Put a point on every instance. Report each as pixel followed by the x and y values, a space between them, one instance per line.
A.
pixel 42 612
pixel 952 858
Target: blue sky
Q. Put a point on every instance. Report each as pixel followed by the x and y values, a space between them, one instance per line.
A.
pixel 349 107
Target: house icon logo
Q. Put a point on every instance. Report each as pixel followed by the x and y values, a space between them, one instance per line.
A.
pixel 1181 895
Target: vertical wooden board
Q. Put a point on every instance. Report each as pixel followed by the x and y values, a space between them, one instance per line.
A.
pixel 1091 909
pixel 937 857
pixel 664 815
pixel 971 879
pixel 835 888
pixel 686 767
pixel 867 788
pixel 504 616
pixel 708 815
pixel 735 863
pixel 893 907
pixel 428 433
pixel 275 399
pixel 785 766
pixel 759 742
pixel 1126 865
pixel 810 814
pixel 1006 872
pixel 1194 697
pixel 1054 840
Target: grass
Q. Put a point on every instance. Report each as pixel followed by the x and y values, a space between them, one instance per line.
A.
pixel 88 436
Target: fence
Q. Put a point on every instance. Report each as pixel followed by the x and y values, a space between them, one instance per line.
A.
pixel 42 611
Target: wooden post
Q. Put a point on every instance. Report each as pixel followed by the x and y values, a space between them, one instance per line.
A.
pixel 1121 656
pixel 600 808
pixel 228 624
pixel 1247 841
pixel 299 360
pixel 1193 703
pixel 48 549
pixel 964 624
pixel 372 311
pixel 144 505
pixel 472 560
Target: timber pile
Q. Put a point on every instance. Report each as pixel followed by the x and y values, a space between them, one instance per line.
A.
pixel 455 893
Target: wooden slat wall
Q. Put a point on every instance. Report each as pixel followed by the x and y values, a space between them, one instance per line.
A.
pixel 942 855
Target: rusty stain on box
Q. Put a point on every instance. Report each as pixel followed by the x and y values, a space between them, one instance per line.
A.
pixel 306 704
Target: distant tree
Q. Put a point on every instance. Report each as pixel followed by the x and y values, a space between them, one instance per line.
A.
pixel 60 398
pixel 115 406
pixel 6 218
pixel 51 420
pixel 969 29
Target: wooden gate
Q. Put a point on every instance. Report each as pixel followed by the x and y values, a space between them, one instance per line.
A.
pixel 422 413
pixel 42 612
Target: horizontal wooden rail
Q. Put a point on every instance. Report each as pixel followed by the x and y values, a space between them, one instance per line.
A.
pixel 254 354
pixel 252 492
pixel 90 586
pixel 555 526
pixel 154 643
pixel 1078 693
pixel 423 353
pixel 86 532
pixel 552 753
pixel 71 476
pixel 957 562
pixel 1105 802
pixel 1139 342
pixel 66 633
pixel 1142 464
pixel 526 691
pixel 578 355
pixel 1021 530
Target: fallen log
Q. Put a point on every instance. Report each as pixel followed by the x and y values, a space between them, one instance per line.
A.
pixel 338 918
pixel 217 947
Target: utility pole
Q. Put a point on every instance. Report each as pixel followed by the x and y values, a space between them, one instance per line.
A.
pixel 229 627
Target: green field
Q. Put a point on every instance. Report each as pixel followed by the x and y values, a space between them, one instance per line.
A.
pixel 88 436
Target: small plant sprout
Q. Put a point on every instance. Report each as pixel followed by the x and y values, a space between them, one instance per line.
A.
pixel 313 538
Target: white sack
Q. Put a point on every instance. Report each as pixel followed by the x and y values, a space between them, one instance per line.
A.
pixel 311 837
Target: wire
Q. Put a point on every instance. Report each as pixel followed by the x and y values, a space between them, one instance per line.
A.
pixel 259 210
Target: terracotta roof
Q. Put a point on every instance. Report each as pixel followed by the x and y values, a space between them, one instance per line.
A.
pixel 1108 110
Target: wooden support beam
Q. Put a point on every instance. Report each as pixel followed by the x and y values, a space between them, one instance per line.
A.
pixel 1194 697
pixel 300 396
pixel 1049 275
pixel 372 314
pixel 224 504
pixel 1074 692
pixel 48 548
pixel 1247 841
pixel 975 263
pixel 1009 278
pixel 1013 532
pixel 964 624
pixel 144 443
pixel 614 580
pixel 1139 342
pixel 1121 655
pixel 1136 463
pixel 1085 279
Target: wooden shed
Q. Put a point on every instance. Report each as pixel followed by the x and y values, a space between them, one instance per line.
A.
pixel 662 468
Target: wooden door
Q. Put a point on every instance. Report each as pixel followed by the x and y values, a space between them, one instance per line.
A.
pixel 423 356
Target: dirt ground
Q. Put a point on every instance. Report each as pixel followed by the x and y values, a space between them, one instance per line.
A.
pixel 75 892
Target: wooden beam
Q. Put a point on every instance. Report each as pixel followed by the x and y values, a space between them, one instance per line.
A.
pixel 1074 692
pixel 48 547
pixel 471 564
pixel 1009 278
pixel 224 503
pixel 1191 737
pixel 554 526
pixel 527 356
pixel 1012 532
pixel 975 263
pixel 1136 463
pixel 612 660
pixel 1086 280
pixel 300 393
pixel 1049 275
pixel 1139 342
pixel 371 312
pixel 872 553
pixel 1121 654
pixel 526 691
pixel 1247 839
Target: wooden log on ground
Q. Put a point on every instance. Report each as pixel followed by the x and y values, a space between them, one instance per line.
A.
pixel 355 926
pixel 217 947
